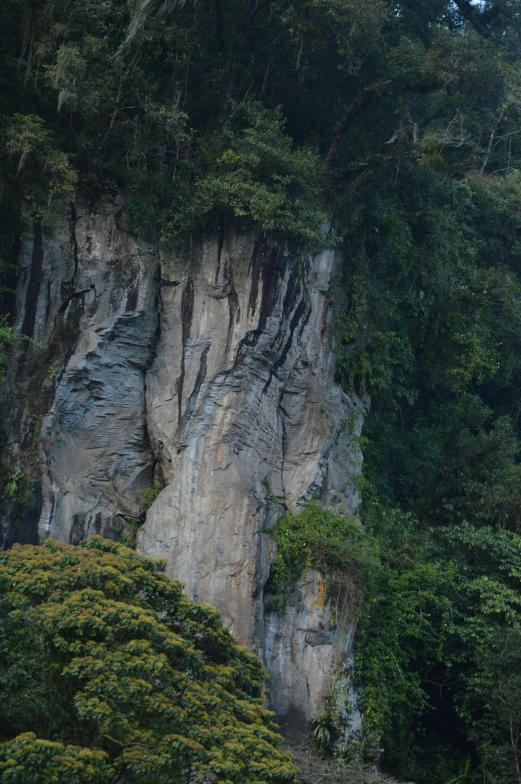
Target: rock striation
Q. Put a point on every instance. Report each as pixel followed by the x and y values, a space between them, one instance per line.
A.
pixel 209 368
pixel 87 300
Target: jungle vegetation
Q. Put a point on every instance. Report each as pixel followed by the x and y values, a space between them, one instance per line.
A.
pixel 400 123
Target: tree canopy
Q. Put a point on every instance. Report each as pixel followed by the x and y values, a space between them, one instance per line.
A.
pixel 268 111
pixel 110 674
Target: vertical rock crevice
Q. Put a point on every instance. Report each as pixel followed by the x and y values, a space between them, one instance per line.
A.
pixel 34 282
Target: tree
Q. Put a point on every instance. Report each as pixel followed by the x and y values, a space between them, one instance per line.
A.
pixel 109 673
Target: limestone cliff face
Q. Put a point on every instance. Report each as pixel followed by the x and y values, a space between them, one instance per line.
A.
pixel 92 290
pixel 212 369
pixel 309 656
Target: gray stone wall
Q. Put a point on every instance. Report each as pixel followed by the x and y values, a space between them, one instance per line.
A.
pixel 211 368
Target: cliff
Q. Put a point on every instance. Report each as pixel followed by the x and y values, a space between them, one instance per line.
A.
pixel 209 369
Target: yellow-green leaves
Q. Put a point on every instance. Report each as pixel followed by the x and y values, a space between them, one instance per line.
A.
pixel 31 759
pixel 109 674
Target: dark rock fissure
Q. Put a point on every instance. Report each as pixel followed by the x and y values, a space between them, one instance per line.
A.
pixel 33 286
pixel 74 240
pixel 48 306
pixel 192 400
pixel 219 252
pixel 233 312
pixel 301 309
pixel 254 271
pixel 132 298
pixel 271 273
pixel 187 313
pixel 22 527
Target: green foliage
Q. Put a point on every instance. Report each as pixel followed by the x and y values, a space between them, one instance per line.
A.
pixel 130 539
pixel 488 644
pixel 404 627
pixel 325 731
pixel 150 495
pixel 400 122
pixel 422 273
pixel 439 640
pixel 108 673
pixel 436 339
pixel 28 758
pixel 319 539
pixel 248 169
pixel 223 110
pixel 8 339
pixel 428 321
pixel 11 486
pixel 43 171
pixel 438 650
pixel 128 114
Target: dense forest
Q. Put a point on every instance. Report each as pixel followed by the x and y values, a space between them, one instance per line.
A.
pixel 390 130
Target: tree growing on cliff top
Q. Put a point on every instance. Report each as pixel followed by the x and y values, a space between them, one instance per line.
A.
pixel 109 673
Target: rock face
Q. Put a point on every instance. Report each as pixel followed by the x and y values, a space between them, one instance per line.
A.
pixel 212 368
pixel 308 648
pixel 309 658
pixel 92 289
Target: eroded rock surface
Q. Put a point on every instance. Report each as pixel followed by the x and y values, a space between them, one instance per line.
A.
pixel 308 646
pixel 212 368
pixel 305 651
pixel 92 290
pixel 242 410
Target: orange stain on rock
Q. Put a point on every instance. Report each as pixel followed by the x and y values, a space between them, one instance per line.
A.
pixel 319 601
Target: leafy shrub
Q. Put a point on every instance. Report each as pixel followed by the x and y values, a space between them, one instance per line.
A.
pixel 248 169
pixel 439 650
pixel 316 538
pixel 150 495
pixel 43 171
